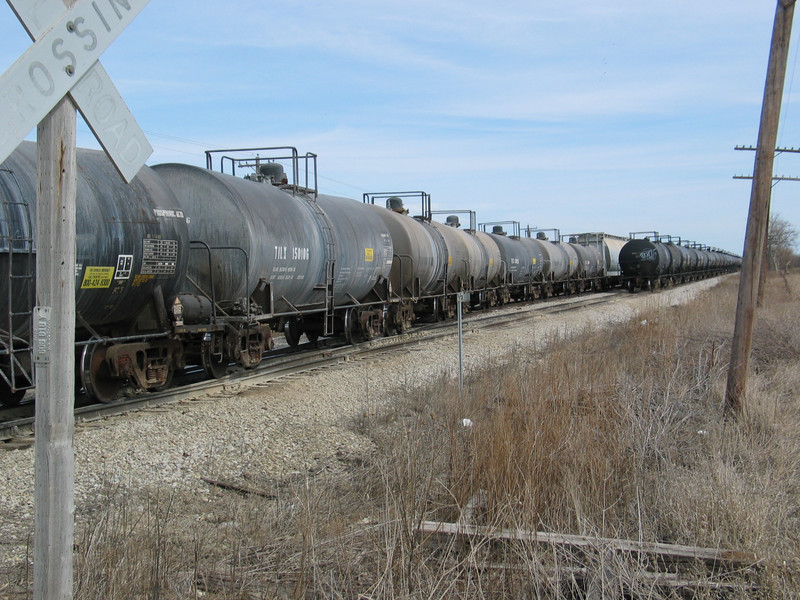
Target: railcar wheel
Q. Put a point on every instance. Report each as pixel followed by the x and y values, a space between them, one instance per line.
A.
pixel 437 309
pixel 388 327
pixel 212 358
pixel 7 397
pixel 97 381
pixel 291 331
pixel 349 325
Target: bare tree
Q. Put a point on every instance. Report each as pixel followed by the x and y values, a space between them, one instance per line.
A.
pixel 781 242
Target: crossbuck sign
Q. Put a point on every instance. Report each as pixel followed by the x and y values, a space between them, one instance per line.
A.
pixel 64 60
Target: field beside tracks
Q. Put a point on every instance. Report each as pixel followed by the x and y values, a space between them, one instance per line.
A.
pixel 556 460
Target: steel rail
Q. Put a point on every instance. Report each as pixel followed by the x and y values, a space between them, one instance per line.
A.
pixel 18 429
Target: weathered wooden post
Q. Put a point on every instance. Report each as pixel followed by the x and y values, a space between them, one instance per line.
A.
pixel 758 217
pixel 34 90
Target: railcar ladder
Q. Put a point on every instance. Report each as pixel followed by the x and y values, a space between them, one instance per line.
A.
pixel 330 264
pixel 20 285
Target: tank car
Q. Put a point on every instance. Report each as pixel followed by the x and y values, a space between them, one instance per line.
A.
pixel 435 261
pixel 608 248
pixel 279 256
pixel 643 262
pixel 562 260
pixel 193 266
pixel 131 253
pixel 418 261
pixel 520 264
pixel 649 264
pixel 482 262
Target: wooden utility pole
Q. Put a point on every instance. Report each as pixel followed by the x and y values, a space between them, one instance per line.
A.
pixel 758 217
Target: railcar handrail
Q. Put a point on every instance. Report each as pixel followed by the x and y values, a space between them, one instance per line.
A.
pixel 471 213
pixel 425 199
pixel 274 155
pixel 515 227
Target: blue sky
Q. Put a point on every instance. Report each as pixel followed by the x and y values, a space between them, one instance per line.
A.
pixel 612 116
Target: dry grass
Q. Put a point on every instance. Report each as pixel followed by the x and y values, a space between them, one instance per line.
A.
pixel 618 434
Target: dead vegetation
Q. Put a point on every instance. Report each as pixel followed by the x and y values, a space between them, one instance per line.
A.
pixel 615 435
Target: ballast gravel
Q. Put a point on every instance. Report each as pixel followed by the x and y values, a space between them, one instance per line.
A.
pixel 294 424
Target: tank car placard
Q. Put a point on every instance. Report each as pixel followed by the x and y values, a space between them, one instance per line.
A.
pixel 369 254
pixel 97 278
pixel 124 266
pixel 159 257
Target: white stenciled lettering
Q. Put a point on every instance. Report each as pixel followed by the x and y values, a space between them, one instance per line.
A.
pixel 168 213
pixel 91 85
pixel 300 253
pixel 123 3
pixel 82 33
pixel 114 4
pixel 100 14
pixel 57 43
pixel 41 78
pixel 104 108
pixel 132 150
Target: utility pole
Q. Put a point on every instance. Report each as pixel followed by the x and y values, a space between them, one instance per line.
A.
pixel 758 217
pixel 764 263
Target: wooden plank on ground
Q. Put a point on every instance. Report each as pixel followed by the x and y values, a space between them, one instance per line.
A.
pixel 670 551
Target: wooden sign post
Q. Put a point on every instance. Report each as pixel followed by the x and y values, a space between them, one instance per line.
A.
pixel 40 88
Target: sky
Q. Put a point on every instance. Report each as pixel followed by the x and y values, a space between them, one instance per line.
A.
pixel 612 116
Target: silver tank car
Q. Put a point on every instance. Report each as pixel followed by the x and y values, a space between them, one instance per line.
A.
pixel 492 258
pixel 465 258
pixel 608 247
pixel 513 255
pixel 536 259
pixel 692 259
pixel 591 262
pixel 575 268
pixel 676 258
pixel 418 254
pixel 363 255
pixel 557 258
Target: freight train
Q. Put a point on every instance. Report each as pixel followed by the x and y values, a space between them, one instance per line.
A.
pixel 196 266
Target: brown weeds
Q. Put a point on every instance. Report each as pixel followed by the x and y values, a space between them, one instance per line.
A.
pixel 617 434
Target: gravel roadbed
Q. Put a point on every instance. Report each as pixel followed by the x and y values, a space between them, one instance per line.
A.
pixel 294 424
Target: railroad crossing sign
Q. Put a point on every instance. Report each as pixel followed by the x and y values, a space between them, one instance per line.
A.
pixel 63 60
pixel 33 91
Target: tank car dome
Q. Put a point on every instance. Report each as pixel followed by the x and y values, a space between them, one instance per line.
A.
pixel 273 172
pixel 498 230
pixel 453 221
pixel 395 204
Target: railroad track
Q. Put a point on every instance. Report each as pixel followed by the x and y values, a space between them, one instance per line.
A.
pixel 17 424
